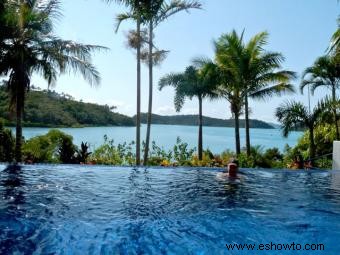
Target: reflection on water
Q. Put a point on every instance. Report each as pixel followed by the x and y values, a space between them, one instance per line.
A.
pixel 12 211
pixel 105 210
pixel 12 183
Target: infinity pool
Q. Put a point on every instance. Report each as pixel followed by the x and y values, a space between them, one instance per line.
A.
pixel 106 210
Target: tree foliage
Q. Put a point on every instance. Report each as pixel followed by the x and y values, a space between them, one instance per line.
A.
pixel 50 109
pixel 29 46
pixel 50 148
pixel 195 81
pixel 293 115
pixel 7 142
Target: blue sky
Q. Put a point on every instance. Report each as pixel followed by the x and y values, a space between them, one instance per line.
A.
pixel 299 29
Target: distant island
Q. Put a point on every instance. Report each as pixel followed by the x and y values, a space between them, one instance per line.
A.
pixel 192 120
pixel 50 109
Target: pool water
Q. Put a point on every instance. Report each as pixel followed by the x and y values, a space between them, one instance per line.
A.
pixel 106 210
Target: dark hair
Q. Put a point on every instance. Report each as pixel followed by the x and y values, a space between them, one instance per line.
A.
pixel 233 160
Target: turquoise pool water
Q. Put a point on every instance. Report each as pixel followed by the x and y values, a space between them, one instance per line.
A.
pixel 106 210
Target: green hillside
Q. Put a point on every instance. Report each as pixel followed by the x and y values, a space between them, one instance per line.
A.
pixel 50 109
pixel 191 120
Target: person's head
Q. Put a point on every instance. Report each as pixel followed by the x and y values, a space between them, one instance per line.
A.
pixel 233 168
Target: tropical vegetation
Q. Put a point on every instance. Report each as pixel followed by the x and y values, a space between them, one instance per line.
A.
pixel 239 71
pixel 29 47
pixel 324 73
pixel 58 147
pixel 136 9
pixel 249 72
pixel 47 108
pixel 7 142
pixel 295 115
pixel 195 81
pixel 151 13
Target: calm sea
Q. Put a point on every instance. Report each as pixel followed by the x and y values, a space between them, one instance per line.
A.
pixel 217 139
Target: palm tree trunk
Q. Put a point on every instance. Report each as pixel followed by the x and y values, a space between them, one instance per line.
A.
pixel 246 109
pixel 138 94
pixel 148 128
pixel 312 148
pixel 237 134
pixel 335 113
pixel 200 130
pixel 18 128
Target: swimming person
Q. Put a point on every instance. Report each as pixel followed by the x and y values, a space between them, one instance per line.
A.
pixel 233 169
pixel 231 172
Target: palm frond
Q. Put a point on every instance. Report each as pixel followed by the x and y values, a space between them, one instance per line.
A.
pixel 179 100
pixel 292 115
pixel 123 17
pixel 168 9
pixel 275 90
pixel 324 72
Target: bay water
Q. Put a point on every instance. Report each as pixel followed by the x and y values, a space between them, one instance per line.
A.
pixel 217 139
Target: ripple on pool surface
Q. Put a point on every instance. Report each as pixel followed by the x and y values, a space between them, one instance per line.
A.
pixel 103 210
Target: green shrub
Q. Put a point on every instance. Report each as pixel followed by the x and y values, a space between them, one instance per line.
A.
pixel 67 151
pixel 227 156
pixel 48 148
pixel 109 154
pixel 324 135
pixel 7 144
pixel 83 153
pixel 182 154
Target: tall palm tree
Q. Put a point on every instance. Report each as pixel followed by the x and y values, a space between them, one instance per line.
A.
pixel 228 49
pixel 163 12
pixel 4 29
pixel 195 81
pixel 31 47
pixel 261 72
pixel 256 73
pixel 324 73
pixel 231 90
pixel 156 12
pixel 293 115
pixel 137 9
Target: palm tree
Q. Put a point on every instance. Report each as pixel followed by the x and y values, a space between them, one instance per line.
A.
pixel 324 73
pixel 195 81
pixel 262 76
pixel 163 12
pixel 335 42
pixel 138 12
pixel 231 90
pixel 2 21
pixel 254 70
pixel 228 49
pixel 4 29
pixel 31 47
pixel 156 12
pixel 293 115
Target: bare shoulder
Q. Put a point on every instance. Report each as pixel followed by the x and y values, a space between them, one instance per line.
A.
pixel 222 176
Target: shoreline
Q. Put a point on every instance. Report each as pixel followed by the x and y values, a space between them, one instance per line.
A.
pixel 101 126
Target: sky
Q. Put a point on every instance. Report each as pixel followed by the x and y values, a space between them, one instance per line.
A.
pixel 299 29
